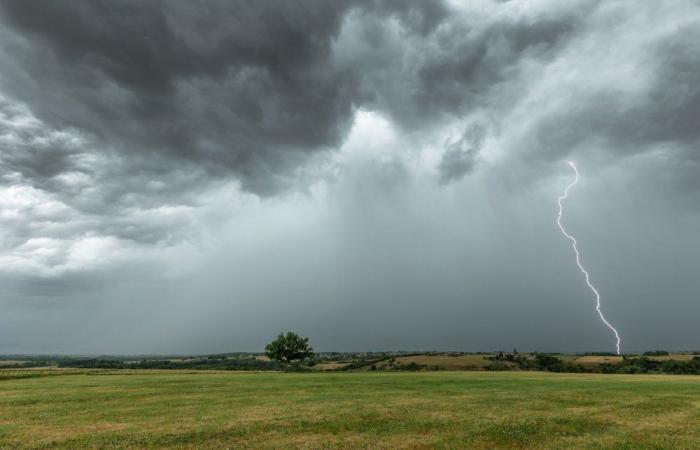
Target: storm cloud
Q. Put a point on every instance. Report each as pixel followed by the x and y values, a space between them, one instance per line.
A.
pixel 207 173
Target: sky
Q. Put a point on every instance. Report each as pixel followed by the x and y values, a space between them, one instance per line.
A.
pixel 196 176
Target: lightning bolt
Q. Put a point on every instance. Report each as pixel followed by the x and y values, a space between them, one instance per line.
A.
pixel 564 196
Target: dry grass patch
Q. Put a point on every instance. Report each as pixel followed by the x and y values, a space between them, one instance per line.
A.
pixel 598 359
pixel 443 362
pixel 330 366
pixel 10 362
pixel 676 357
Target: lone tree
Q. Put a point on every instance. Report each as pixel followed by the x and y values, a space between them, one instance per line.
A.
pixel 288 348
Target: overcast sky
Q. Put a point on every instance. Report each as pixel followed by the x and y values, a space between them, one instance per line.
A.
pixel 184 177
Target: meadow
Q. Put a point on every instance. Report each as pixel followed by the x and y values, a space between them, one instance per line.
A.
pixel 188 410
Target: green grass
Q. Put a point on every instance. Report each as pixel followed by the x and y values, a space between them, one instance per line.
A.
pixel 342 410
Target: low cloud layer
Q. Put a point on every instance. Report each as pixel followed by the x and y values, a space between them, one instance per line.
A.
pixel 194 177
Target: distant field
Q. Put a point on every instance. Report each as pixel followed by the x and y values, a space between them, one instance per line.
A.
pixel 9 362
pixel 681 357
pixel 483 410
pixel 446 362
pixel 330 366
pixel 587 360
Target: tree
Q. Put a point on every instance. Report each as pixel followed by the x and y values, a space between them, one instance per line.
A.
pixel 288 348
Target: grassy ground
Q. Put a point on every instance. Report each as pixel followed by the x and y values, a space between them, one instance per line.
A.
pixel 341 410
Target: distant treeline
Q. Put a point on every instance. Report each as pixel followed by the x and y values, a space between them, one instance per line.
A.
pixel 629 365
pixel 207 363
pixel 647 363
pixel 25 364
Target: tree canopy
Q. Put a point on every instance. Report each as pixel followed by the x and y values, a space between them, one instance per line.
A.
pixel 289 347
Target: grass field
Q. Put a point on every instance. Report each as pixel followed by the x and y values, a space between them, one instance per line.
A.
pixel 341 410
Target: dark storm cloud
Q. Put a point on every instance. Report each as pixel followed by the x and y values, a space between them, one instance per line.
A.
pixel 86 193
pixel 249 88
pixel 33 151
pixel 670 111
pixel 652 103
pixel 226 85
pixel 459 66
pixel 460 156
pixel 229 86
